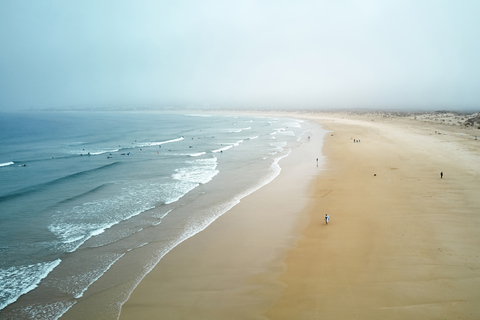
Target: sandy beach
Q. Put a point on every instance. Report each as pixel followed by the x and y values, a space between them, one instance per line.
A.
pixel 402 242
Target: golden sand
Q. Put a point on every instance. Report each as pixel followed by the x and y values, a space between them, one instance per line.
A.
pixel 402 242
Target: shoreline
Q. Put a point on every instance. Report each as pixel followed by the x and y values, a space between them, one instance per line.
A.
pixel 399 244
pixel 402 241
pixel 225 271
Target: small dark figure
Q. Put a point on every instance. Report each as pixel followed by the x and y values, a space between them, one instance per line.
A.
pixel 327 217
pixel 441 175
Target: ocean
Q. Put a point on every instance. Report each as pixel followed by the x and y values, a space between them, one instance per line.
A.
pixel 91 201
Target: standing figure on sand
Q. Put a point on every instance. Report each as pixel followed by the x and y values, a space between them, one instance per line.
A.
pixel 327 217
pixel 441 175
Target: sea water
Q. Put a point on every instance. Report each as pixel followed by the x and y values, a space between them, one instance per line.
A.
pixel 86 195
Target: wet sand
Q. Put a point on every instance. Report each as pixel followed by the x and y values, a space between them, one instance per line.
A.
pixel 230 270
pixel 401 242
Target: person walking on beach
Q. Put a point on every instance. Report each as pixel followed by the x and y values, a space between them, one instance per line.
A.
pixel 441 175
pixel 327 217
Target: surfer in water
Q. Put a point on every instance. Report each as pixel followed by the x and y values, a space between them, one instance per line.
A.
pixel 327 217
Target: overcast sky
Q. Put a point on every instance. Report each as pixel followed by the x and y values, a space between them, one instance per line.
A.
pixel 275 54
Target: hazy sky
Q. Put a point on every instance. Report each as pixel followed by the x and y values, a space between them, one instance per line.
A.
pixel 298 54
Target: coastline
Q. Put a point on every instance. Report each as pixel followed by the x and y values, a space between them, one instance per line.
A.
pixel 231 269
pixel 399 244
pixel 402 242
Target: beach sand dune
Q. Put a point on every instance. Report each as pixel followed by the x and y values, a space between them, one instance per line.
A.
pixel 402 242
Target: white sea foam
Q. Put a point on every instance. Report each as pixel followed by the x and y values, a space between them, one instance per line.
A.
pixel 162 215
pixel 237 130
pixel 222 149
pixel 76 284
pixel 159 143
pixel 50 311
pixel 275 170
pixel 75 226
pixel 95 153
pixel 195 226
pixel 75 221
pixel 138 246
pixel 295 124
pixel 197 154
pixel 99 231
pixel 287 133
pixel 278 146
pixel 236 144
pixel 177 190
pixel 73 239
pixel 92 275
pixel 199 171
pixel 18 280
pixel 6 164
pixel 199 115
